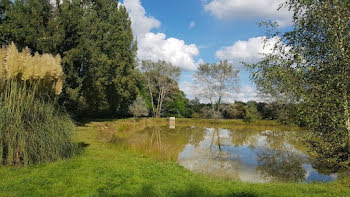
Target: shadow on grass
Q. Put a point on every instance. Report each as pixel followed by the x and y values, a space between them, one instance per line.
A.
pixel 191 191
pixel 150 190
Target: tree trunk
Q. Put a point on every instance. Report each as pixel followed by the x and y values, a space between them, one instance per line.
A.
pixel 346 113
pixel 161 102
pixel 347 122
pixel 151 94
pixel 212 108
pixel 341 31
pixel 218 105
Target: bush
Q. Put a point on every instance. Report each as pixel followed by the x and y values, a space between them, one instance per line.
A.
pixel 139 107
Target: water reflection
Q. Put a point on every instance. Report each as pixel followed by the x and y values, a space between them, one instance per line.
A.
pixel 282 166
pixel 245 153
pixel 171 125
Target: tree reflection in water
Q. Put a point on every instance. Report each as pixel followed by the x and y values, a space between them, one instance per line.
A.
pixel 327 153
pixel 244 153
pixel 281 166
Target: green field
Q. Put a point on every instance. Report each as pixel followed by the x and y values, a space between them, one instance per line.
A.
pixel 106 169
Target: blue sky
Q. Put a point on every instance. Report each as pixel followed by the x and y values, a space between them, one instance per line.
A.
pixel 188 32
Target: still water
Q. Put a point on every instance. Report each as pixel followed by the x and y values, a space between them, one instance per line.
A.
pixel 250 154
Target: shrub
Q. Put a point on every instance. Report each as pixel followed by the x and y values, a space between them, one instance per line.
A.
pixel 139 107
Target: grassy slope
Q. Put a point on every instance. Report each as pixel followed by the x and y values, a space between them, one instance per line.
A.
pixel 106 170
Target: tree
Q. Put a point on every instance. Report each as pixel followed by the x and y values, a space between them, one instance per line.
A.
pixel 176 105
pixel 159 78
pixel 94 39
pixel 101 65
pixel 310 66
pixel 252 112
pixel 139 107
pixel 236 110
pixel 215 81
pixel 194 108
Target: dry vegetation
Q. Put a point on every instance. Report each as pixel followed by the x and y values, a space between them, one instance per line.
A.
pixel 43 69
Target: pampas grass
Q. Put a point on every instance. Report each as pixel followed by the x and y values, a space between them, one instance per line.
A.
pixel 32 127
pixel 44 70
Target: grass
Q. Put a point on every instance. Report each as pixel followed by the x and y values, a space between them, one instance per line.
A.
pixel 32 129
pixel 105 169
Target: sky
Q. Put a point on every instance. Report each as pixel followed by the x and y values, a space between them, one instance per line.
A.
pixel 190 32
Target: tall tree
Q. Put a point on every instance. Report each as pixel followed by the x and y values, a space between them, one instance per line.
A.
pixel 159 78
pixel 95 40
pixel 311 66
pixel 27 23
pixel 215 81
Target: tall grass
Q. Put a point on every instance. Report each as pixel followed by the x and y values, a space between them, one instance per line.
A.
pixel 32 128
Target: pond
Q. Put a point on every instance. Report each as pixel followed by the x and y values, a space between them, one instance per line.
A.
pixel 246 153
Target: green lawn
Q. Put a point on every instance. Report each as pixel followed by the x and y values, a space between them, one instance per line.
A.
pixel 104 169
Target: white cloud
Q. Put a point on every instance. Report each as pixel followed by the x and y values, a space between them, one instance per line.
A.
pixel 156 46
pixel 141 24
pixel 245 93
pixel 189 89
pixel 249 9
pixel 249 51
pixel 192 24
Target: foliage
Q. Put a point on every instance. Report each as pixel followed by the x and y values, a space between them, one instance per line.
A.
pixel 194 108
pixel 177 105
pixel 252 112
pixel 159 78
pixel 236 110
pixel 95 41
pixel 248 111
pixel 206 112
pixel 310 67
pixel 268 111
pixel 215 81
pixel 139 107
